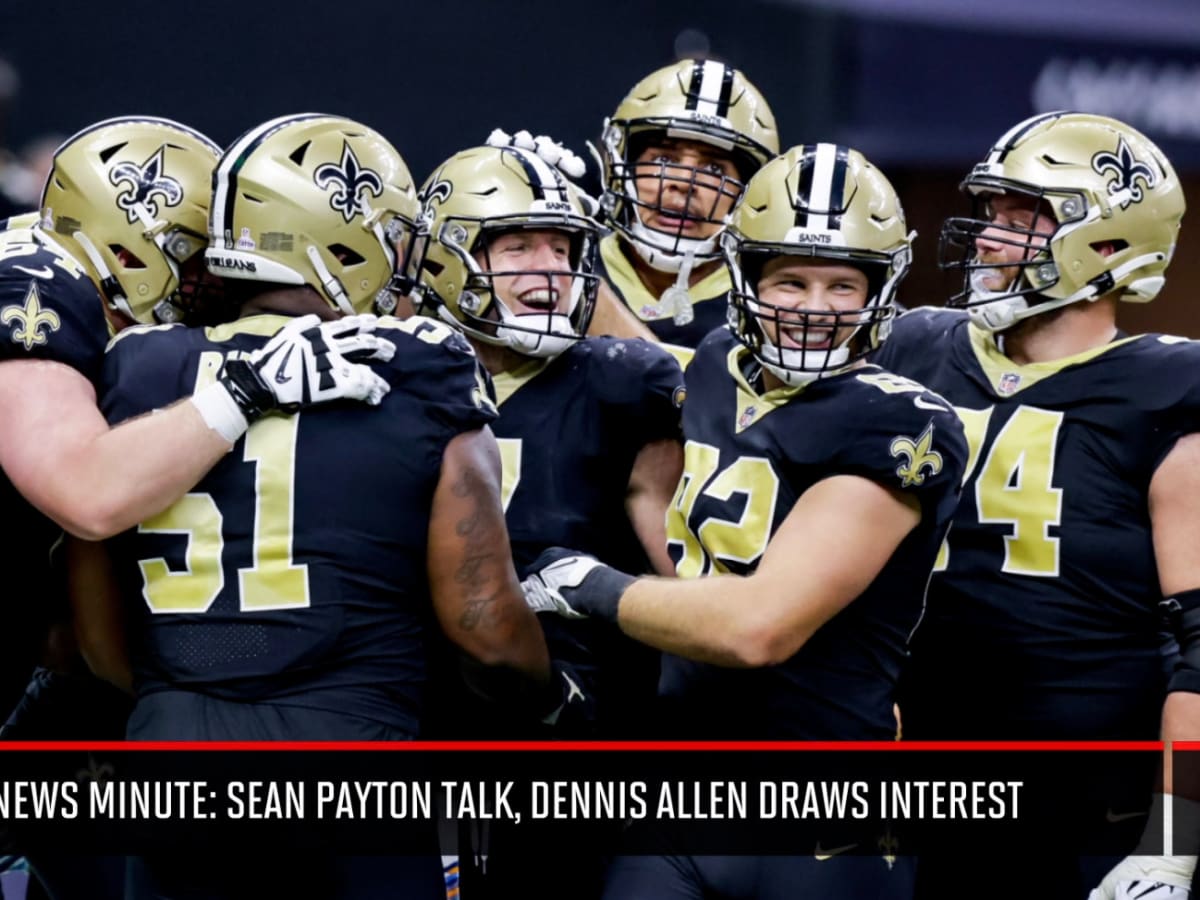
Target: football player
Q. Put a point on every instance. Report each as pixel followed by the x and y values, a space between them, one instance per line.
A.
pixel 816 491
pixel 290 595
pixel 117 240
pixel 588 428
pixel 1078 515
pixel 609 316
pixel 675 156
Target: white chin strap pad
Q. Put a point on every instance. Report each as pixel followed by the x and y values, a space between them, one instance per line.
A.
pixel 998 314
pixel 666 254
pixel 542 335
pixel 794 366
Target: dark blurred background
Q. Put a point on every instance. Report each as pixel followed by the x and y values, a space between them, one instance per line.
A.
pixel 922 87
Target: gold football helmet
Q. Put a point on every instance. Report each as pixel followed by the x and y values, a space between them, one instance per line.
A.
pixel 128 198
pixel 485 192
pixel 816 201
pixel 317 200
pixel 695 100
pixel 1116 204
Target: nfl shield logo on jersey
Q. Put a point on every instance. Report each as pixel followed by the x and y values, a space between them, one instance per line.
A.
pixel 746 417
pixel 1009 382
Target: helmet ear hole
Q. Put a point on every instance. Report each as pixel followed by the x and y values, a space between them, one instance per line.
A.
pixel 1109 248
pixel 126 257
pixel 346 255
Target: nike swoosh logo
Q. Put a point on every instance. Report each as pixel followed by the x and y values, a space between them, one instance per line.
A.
pixel 1111 816
pixel 40 272
pixel 280 378
pixel 922 404
pixel 573 690
pixel 821 855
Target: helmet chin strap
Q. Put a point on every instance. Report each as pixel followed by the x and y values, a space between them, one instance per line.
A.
pixel 541 335
pixel 108 282
pixel 648 244
pixel 329 283
pixel 645 244
pixel 1005 311
pixel 795 367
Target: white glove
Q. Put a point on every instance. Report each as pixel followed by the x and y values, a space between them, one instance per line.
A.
pixel 550 150
pixel 307 362
pixel 541 598
pixel 574 585
pixel 1172 824
pixel 1148 878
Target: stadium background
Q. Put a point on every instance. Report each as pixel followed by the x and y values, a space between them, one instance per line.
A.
pixel 922 87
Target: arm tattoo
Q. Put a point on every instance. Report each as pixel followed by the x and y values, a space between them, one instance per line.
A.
pixel 480 537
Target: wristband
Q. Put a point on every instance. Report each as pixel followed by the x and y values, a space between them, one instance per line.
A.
pixel 247 389
pixel 221 412
pixel 610 583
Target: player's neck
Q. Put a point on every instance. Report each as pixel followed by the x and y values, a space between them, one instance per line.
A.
pixel 496 359
pixel 1061 333
pixel 771 381
pixel 288 301
pixel 656 281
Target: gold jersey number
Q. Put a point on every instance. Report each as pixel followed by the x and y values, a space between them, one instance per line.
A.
pixel 717 539
pixel 1015 487
pixel 273 581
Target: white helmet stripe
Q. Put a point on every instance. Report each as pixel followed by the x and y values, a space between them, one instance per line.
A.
pixel 547 178
pixel 711 80
pixel 822 186
pixel 1010 137
pixel 224 186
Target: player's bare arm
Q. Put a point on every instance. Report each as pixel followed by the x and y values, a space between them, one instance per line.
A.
pixel 475 590
pixel 656 472
pixel 1174 495
pixel 95 482
pixel 97 612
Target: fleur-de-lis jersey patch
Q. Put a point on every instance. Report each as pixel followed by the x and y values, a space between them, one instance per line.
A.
pixel 917 457
pixel 30 318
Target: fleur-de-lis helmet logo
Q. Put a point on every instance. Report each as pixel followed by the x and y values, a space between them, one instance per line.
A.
pixel 146 184
pixel 1126 169
pixel 916 456
pixel 437 192
pixel 349 179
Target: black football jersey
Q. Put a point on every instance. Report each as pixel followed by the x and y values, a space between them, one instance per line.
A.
pixel 569 432
pixel 295 571
pixel 49 307
pixel 1042 620
pixel 709 303
pixel 49 310
pixel 749 457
